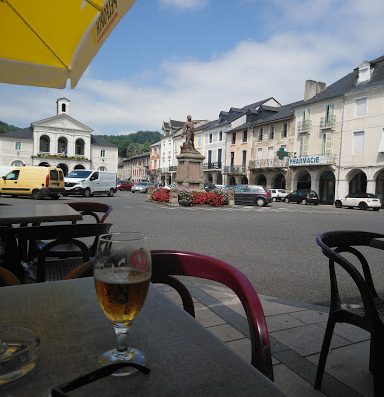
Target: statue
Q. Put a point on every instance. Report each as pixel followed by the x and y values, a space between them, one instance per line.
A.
pixel 188 145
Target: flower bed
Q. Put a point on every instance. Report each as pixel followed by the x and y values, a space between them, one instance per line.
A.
pixel 161 195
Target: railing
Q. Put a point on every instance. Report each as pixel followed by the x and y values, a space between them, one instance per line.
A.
pixel 328 122
pixel 166 170
pixel 268 163
pixel 304 126
pixel 236 169
pixel 212 166
pixel 312 160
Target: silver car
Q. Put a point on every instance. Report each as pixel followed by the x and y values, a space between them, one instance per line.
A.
pixel 140 187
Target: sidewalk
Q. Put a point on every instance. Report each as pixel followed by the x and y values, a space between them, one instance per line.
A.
pixel 296 332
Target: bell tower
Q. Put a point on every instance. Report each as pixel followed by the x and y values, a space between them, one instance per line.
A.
pixel 63 106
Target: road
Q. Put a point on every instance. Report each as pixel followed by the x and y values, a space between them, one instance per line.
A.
pixel 274 246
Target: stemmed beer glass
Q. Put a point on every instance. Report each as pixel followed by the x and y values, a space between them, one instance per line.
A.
pixel 122 273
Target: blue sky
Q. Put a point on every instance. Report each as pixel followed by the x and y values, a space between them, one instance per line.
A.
pixel 170 58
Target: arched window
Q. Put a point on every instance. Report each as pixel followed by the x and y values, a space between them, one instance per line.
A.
pixel 17 163
pixel 79 147
pixel 62 146
pixel 63 107
pixel 102 168
pixel 44 144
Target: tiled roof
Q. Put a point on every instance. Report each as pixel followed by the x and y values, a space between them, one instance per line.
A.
pixel 137 156
pixel 24 133
pixel 99 140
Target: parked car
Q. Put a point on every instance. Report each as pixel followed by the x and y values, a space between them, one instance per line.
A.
pixel 124 185
pixel 141 187
pixel 278 194
pixel 303 196
pixel 90 182
pixel 251 195
pixel 169 187
pixel 209 186
pixel 360 200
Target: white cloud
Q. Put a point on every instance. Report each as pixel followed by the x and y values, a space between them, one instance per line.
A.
pixel 184 4
pixel 250 71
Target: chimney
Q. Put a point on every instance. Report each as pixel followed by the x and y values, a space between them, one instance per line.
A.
pixel 312 88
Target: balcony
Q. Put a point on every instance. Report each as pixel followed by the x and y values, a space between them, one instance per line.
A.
pixel 268 163
pixel 212 166
pixel 304 126
pixel 167 170
pixel 78 157
pixel 328 122
pixel 235 169
pixel 312 160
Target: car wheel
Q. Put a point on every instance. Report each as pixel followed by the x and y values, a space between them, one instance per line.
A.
pixel 55 196
pixel 87 192
pixel 132 191
pixel 338 204
pixel 375 209
pixel 260 202
pixel 110 193
pixel 303 201
pixel 274 199
pixel 36 194
pixel 363 206
pixel 286 200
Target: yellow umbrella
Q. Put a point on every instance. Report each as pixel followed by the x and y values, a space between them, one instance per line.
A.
pixel 46 42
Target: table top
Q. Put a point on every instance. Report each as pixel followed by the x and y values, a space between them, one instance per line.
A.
pixel 377 243
pixel 185 359
pixel 14 214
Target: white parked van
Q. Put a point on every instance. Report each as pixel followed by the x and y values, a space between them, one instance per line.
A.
pixel 89 182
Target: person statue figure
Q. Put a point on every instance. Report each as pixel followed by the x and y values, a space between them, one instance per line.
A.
pixel 188 131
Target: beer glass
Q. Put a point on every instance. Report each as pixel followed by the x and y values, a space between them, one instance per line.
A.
pixel 122 273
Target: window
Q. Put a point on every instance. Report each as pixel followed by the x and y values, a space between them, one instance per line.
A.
pixel 358 142
pixel 233 138
pixel 219 154
pixel 284 130
pixel 259 154
pixel 210 138
pixel 199 140
pixel 245 136
pixel 364 74
pixel 326 144
pixel 17 163
pixel 63 107
pixel 361 107
pixel 270 153
pixel 12 176
pixel 272 132
pixel 17 145
pixel 304 145
pixel 306 114
pixel 220 135
pixel 244 162
pixel 102 153
pixel 329 110
pixel 209 158
pixel 232 159
pixel 260 135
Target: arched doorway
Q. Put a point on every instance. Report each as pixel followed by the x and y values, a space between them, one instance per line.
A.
pixel 79 167
pixel 102 168
pixel 380 187
pixel 358 184
pixel 279 182
pixel 244 180
pixel 79 147
pixel 64 167
pixel 304 180
pixel 17 163
pixel 62 146
pixel 232 181
pixel 44 145
pixel 219 178
pixel 261 180
pixel 209 177
pixel 44 164
pixel 327 187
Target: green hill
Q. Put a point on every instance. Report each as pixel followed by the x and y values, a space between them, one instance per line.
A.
pixel 4 127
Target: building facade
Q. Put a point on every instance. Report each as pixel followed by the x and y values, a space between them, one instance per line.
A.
pixel 154 162
pixel 58 141
pixel 136 168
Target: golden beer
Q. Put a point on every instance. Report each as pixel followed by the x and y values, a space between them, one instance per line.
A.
pixel 121 292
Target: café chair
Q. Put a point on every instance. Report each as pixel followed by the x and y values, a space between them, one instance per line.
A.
pixel 88 209
pixel 7 278
pixel 369 314
pixel 57 235
pixel 166 264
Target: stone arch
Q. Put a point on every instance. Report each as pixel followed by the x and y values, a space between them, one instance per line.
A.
pixel 209 177
pixel 357 180
pixel 62 145
pixel 219 178
pixel 102 168
pixel 279 181
pixel 79 147
pixel 327 187
pixel 232 181
pixel 244 180
pixel 379 190
pixel 17 163
pixel 44 164
pixel 79 167
pixel 44 144
pixel 304 179
pixel 261 179
pixel 64 167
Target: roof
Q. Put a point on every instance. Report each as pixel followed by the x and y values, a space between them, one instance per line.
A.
pixel 349 83
pixel 24 133
pixel 137 156
pixel 156 144
pixel 99 140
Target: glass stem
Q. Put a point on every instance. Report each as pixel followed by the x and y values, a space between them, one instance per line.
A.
pixel 121 338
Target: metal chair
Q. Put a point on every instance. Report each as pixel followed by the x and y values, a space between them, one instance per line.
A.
pixel 368 315
pixel 7 278
pixel 166 264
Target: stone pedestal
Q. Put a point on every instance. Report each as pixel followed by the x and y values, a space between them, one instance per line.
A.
pixel 190 174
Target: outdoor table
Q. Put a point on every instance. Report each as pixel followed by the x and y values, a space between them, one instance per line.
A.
pixel 377 243
pixel 185 359
pixel 21 214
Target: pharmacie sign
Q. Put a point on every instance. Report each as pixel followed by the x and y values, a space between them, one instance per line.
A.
pixel 307 160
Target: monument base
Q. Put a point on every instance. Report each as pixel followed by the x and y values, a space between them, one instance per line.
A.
pixel 190 174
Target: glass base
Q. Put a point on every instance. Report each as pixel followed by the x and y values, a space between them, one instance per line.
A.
pixel 130 355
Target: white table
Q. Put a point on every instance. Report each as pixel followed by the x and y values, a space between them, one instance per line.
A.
pixel 185 359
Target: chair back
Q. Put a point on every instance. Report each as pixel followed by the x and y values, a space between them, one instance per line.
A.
pixel 166 264
pixel 99 211
pixel 7 278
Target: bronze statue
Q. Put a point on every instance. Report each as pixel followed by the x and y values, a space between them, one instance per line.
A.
pixel 188 145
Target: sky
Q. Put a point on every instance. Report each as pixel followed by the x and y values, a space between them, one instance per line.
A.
pixel 170 58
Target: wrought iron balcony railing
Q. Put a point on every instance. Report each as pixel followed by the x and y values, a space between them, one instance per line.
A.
pixel 304 126
pixel 268 163
pixel 235 169
pixel 328 122
pixel 212 166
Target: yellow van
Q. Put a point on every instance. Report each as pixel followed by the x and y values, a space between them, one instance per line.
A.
pixel 33 181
